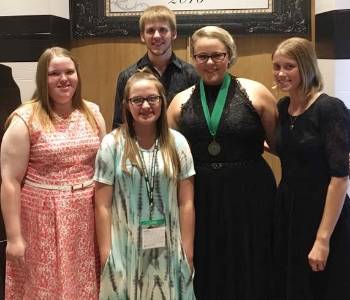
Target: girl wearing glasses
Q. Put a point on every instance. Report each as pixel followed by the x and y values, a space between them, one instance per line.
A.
pixel 144 201
pixel 226 120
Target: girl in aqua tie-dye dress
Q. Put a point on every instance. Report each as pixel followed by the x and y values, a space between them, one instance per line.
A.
pixel 144 201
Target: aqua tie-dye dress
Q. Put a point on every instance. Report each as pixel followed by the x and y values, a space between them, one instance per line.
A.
pixel 131 272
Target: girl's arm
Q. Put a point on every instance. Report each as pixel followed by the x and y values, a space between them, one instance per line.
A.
pixel 187 216
pixel 336 193
pixel 103 213
pixel 14 162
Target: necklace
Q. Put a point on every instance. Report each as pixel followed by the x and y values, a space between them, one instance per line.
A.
pixel 292 120
pixel 305 105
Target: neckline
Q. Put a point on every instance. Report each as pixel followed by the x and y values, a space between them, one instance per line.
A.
pixel 65 118
pixel 305 111
pixel 150 149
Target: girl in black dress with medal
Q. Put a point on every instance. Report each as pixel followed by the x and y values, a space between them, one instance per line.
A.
pixel 226 120
pixel 312 219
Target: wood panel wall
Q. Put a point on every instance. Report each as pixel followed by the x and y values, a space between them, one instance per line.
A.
pixel 101 60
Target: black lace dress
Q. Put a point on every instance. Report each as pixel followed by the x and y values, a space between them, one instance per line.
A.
pixel 313 147
pixel 233 199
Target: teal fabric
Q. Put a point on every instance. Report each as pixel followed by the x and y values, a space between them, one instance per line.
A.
pixel 131 272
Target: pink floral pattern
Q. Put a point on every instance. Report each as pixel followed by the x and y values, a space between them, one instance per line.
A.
pixel 58 226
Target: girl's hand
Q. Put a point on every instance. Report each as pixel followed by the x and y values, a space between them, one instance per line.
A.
pixel 318 255
pixel 15 250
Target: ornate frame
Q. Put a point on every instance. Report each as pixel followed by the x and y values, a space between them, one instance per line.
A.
pixel 89 19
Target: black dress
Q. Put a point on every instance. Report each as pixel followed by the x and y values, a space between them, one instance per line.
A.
pixel 312 148
pixel 233 199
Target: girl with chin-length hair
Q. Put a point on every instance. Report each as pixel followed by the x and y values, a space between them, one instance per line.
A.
pixel 312 216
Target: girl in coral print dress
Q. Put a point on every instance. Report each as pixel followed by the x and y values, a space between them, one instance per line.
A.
pixel 47 164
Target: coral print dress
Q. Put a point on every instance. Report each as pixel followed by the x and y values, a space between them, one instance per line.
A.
pixel 132 272
pixel 57 219
pixel 313 148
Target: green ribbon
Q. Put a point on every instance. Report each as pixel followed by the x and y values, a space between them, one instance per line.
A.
pixel 153 222
pixel 213 120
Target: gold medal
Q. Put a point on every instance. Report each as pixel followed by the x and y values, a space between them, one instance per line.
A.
pixel 213 119
pixel 214 148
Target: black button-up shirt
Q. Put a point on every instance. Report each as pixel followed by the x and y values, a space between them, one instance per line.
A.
pixel 177 77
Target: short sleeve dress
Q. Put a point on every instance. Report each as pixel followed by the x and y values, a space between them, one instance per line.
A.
pixel 58 226
pixel 131 272
pixel 313 148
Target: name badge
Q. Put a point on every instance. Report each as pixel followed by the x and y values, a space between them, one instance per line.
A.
pixel 153 237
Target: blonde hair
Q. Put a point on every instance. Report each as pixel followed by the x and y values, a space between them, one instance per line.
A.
pixel 215 32
pixel 41 101
pixel 302 51
pixel 166 140
pixel 157 13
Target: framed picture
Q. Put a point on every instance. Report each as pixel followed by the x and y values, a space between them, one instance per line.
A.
pixel 118 18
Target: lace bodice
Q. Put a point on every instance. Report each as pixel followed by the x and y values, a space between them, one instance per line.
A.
pixel 240 132
pixel 316 143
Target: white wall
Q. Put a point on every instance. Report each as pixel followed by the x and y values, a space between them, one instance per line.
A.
pixel 336 74
pixel 24 72
pixel 327 5
pixel 24 75
pixel 58 8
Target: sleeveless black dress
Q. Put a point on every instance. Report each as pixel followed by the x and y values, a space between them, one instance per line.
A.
pixel 234 192
pixel 312 148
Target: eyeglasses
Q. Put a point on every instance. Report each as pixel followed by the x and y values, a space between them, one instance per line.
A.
pixel 151 100
pixel 215 57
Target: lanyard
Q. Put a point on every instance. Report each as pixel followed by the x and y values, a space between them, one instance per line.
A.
pixel 214 119
pixel 149 178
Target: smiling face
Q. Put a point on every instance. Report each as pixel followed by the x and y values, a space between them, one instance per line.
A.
pixel 146 114
pixel 158 38
pixel 286 73
pixel 62 81
pixel 211 72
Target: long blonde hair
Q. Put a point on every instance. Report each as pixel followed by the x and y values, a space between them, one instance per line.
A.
pixel 166 141
pixel 41 101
